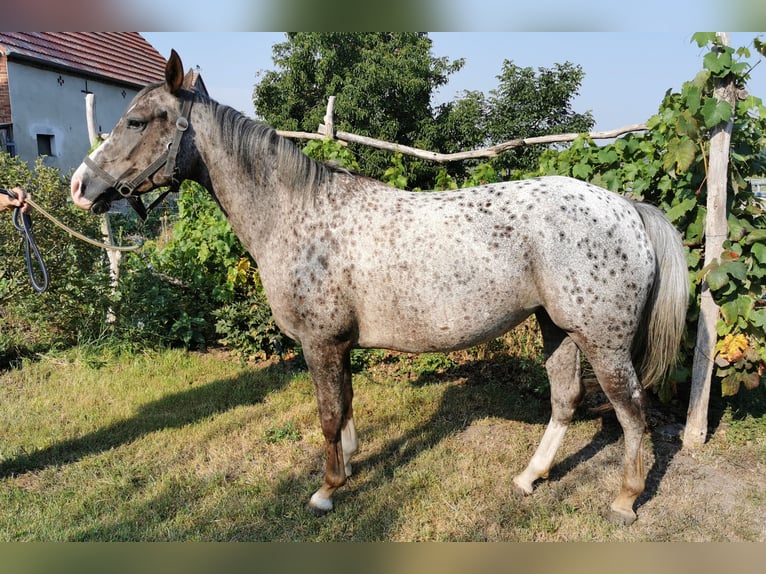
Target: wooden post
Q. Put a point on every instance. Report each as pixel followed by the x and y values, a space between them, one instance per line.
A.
pixel 328 128
pixel 106 225
pixel 716 231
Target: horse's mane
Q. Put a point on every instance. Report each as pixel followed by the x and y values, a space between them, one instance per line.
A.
pixel 254 143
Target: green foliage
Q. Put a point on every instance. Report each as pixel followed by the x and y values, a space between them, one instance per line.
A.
pixel 383 83
pixel 331 151
pixel 246 322
pixel 166 292
pixel 287 432
pixel 362 359
pixel 74 306
pixel 426 364
pixel 528 103
pixel 194 285
pixel 482 174
pixel 444 180
pixel 395 175
pixel 667 166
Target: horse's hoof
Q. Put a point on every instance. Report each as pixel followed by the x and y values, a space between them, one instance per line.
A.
pixel 317 512
pixel 521 490
pixel 621 517
pixel 318 505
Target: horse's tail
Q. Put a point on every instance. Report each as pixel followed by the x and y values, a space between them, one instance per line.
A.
pixel 655 347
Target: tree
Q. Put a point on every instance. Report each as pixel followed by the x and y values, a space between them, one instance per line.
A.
pixel 527 104
pixel 383 83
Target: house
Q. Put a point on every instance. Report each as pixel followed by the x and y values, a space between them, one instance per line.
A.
pixel 44 78
pixel 759 189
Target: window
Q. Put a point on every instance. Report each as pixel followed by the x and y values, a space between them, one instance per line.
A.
pixel 44 144
pixel 6 141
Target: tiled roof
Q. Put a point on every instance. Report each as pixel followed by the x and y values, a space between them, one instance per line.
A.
pixel 122 56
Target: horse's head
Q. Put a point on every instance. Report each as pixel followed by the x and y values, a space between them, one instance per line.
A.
pixel 145 150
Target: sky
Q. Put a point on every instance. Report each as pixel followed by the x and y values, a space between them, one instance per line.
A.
pixel 626 73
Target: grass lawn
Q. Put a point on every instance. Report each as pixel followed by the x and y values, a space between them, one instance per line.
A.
pixel 178 446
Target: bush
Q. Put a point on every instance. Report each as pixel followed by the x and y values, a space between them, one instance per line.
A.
pixel 74 306
pixel 246 322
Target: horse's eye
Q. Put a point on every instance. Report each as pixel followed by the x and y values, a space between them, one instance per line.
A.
pixel 136 124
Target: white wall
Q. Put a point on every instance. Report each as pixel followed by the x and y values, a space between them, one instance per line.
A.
pixel 53 103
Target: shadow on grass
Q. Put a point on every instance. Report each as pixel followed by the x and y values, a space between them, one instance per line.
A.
pixel 746 403
pixel 480 389
pixel 485 390
pixel 172 411
pixel 499 388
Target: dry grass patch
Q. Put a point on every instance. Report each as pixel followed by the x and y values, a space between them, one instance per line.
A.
pixel 178 446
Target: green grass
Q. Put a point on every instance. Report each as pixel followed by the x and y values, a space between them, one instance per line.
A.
pixel 183 446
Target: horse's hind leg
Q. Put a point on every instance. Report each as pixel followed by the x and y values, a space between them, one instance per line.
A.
pixel 619 382
pixel 349 441
pixel 562 363
pixel 330 368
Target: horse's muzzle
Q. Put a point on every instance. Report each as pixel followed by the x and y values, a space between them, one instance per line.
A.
pixel 101 206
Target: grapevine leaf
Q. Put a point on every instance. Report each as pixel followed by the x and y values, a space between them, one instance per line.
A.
pixel 737 227
pixel 686 153
pixel 696 228
pixel 582 171
pixel 714 112
pixel 686 124
pixel 758 318
pixel 717 278
pixel 693 258
pixel 757 236
pixel 739 307
pixel 759 252
pixel 607 156
pixel 735 269
pixel 719 62
pixel 730 385
pixel 693 98
pixel 704 38
pixel 680 209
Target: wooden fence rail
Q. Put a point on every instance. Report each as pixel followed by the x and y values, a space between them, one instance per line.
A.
pixel 326 130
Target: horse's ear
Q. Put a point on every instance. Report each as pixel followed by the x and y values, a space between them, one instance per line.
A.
pixel 189 80
pixel 174 73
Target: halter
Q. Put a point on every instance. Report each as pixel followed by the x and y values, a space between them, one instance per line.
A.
pixel 127 188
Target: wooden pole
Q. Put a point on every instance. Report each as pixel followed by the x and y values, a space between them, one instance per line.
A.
pixel 328 127
pixel 106 225
pixel 327 130
pixel 716 231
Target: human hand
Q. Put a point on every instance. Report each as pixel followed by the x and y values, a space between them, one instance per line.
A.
pixel 19 200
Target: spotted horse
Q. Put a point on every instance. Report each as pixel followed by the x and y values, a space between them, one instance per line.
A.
pixel 347 261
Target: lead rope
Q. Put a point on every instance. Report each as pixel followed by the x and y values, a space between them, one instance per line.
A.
pixel 23 223
pixel 80 236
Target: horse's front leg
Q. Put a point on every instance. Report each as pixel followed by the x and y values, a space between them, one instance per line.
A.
pixel 330 368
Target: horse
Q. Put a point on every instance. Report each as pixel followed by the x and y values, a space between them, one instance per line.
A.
pixel 350 262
